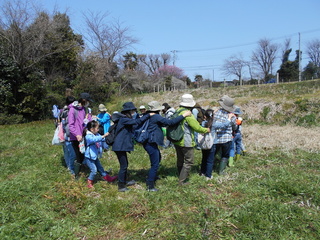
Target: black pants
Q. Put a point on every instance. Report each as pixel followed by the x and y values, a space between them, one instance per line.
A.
pixel 79 155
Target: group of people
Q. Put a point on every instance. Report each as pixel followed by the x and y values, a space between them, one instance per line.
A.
pixel 222 127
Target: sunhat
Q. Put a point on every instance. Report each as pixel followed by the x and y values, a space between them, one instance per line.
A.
pixel 102 108
pixel 155 106
pixel 187 101
pixel 142 107
pixel 237 110
pixel 86 96
pixel 227 103
pixel 127 106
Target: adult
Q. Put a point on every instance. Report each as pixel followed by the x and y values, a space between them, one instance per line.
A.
pixel 142 110
pixel 185 146
pixel 78 117
pixel 68 151
pixel 123 142
pixel 156 137
pixel 223 136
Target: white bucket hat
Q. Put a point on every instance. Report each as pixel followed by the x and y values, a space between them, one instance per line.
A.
pixel 142 107
pixel 102 108
pixel 187 101
pixel 227 103
pixel 155 106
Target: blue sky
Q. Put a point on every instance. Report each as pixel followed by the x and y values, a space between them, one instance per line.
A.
pixel 204 33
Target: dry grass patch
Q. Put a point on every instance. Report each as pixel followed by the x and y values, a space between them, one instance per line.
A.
pixel 287 138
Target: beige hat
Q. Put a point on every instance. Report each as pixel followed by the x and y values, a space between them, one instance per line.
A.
pixel 102 108
pixel 155 106
pixel 187 101
pixel 227 103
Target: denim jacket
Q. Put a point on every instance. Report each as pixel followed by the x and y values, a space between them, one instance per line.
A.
pixel 93 146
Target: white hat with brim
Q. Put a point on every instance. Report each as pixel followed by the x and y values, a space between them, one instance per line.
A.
pixel 142 107
pixel 102 108
pixel 187 101
pixel 155 106
pixel 227 103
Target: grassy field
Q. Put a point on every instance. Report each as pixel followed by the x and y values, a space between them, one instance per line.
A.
pixel 271 193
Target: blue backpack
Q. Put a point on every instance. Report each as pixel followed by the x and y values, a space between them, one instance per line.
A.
pixel 141 134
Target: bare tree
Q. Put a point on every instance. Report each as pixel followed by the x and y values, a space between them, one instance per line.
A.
pixel 313 51
pixel 154 61
pixel 109 39
pixel 264 56
pixel 235 66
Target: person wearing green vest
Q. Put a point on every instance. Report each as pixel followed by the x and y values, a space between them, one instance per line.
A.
pixel 185 147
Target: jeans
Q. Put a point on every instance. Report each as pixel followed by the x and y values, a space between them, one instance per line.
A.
pixel 94 166
pixel 207 162
pixel 155 158
pixel 236 145
pixel 123 161
pixel 69 155
pixel 185 159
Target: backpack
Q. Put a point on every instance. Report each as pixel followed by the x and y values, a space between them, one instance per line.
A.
pixel 141 133
pixel 112 134
pixel 175 132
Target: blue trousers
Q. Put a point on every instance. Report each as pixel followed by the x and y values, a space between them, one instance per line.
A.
pixel 155 158
pixel 95 166
pixel 69 155
pixel 236 145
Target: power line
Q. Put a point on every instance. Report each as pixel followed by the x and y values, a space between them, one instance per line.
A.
pixel 244 44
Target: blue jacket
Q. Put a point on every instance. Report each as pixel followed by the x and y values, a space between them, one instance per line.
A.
pixel 104 120
pixel 93 146
pixel 124 133
pixel 155 123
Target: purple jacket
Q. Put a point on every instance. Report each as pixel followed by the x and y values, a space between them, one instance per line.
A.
pixel 76 120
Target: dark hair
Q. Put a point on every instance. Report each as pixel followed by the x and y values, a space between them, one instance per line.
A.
pixel 90 125
pixel 70 100
pixel 166 106
pixel 209 113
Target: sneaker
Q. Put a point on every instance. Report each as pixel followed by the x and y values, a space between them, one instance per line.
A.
pixel 130 183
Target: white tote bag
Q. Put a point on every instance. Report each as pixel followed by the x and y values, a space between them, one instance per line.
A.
pixel 205 141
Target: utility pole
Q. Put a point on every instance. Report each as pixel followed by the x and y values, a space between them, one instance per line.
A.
pixel 174 56
pixel 299 60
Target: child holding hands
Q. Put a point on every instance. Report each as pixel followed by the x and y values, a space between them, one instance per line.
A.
pixel 93 151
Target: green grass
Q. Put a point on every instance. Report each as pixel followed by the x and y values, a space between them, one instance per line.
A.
pixel 273 195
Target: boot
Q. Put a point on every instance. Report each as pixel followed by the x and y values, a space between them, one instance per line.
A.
pixel 90 183
pixel 122 187
pixel 237 157
pixel 108 178
pixel 77 167
pixel 150 187
pixel 231 162
pixel 222 165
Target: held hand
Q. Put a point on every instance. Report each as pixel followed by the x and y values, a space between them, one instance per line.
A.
pixel 187 113
pixel 79 138
pixel 106 134
pixel 230 115
pixel 151 114
pixel 208 130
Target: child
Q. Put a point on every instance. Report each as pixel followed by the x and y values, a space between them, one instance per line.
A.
pixel 94 150
pixel 104 119
pixel 235 150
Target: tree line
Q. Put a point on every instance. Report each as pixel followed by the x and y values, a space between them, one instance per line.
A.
pixel 41 56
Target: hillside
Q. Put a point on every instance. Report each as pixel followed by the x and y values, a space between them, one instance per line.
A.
pixel 271 193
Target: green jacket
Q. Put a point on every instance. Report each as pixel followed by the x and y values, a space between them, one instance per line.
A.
pixel 189 125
